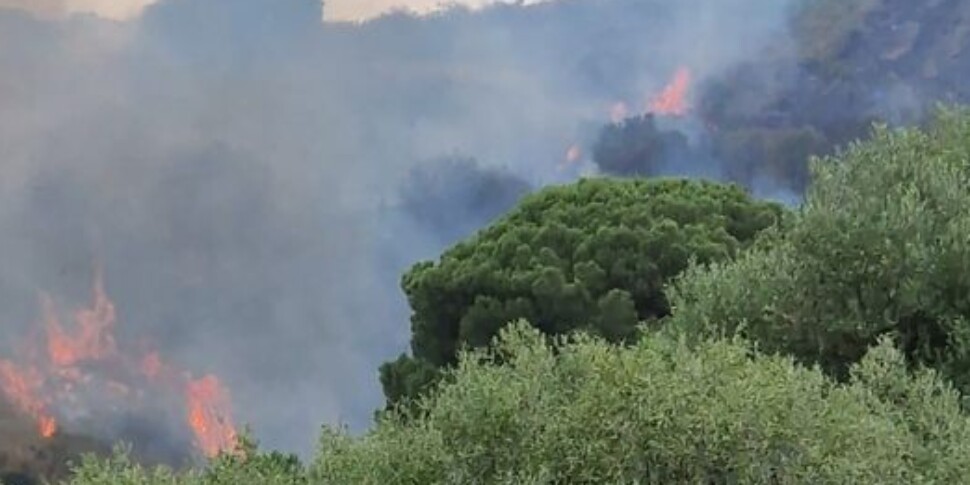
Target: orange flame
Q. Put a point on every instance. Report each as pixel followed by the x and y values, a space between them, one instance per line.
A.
pixel 209 408
pixel 23 387
pixel 672 101
pixel 55 376
pixel 91 341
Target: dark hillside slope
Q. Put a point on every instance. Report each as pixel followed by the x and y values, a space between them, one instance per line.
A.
pixel 851 64
pixel 26 458
pixel 873 59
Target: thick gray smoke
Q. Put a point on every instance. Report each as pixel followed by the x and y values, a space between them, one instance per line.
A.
pixel 236 167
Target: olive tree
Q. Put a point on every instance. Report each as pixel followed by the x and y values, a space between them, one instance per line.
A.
pixel 880 247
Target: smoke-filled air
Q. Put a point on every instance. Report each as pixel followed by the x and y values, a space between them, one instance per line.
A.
pixel 207 206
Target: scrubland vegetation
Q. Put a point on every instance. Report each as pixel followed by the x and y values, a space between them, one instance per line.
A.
pixel 827 344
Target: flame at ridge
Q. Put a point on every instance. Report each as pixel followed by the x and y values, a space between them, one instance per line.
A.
pixel 92 338
pixel 209 415
pixel 672 100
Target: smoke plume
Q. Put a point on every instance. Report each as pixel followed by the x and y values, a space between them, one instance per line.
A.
pixel 250 179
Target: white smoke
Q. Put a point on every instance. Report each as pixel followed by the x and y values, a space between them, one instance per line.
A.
pixel 235 165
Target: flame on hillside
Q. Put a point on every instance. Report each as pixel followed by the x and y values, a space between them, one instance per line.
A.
pixel 22 386
pixel 78 364
pixel 574 154
pixel 669 101
pixel 672 100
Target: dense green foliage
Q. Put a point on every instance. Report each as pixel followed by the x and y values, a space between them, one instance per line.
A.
pixel 245 465
pixel 593 255
pixel 882 246
pixel 655 412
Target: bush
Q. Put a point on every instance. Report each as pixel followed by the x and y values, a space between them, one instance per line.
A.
pixel 880 248
pixel 661 412
pixel 245 465
pixel 593 255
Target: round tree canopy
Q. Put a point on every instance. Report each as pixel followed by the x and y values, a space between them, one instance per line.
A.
pixel 593 255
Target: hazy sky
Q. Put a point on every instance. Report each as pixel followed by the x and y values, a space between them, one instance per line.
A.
pixel 245 178
pixel 363 9
pixel 115 9
pixel 335 10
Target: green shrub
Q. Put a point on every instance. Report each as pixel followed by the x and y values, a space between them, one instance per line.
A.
pixel 661 412
pixel 881 247
pixel 593 255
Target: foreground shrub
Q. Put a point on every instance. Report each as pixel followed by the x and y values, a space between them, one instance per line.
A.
pixel 593 255
pixel 246 465
pixel 655 412
pixel 659 412
pixel 880 248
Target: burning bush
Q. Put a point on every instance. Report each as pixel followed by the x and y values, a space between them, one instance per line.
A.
pixel 80 376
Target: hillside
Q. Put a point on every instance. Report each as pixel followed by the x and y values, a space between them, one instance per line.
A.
pixel 421 112
pixel 846 65
pixel 852 62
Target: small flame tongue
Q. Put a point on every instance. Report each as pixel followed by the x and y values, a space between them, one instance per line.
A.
pixel 672 101
pixel 92 339
pixel 87 355
pixel 208 404
pixel 23 388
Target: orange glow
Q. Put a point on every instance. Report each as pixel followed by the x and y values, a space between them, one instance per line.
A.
pixel 151 365
pixel 23 389
pixel 574 154
pixel 210 415
pixel 92 338
pixel 619 112
pixel 41 381
pixel 672 101
pixel 47 426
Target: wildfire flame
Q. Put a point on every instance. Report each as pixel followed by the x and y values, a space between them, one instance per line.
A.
pixel 619 112
pixel 22 388
pixel 573 155
pixel 209 407
pixel 672 100
pixel 46 380
pixel 92 338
